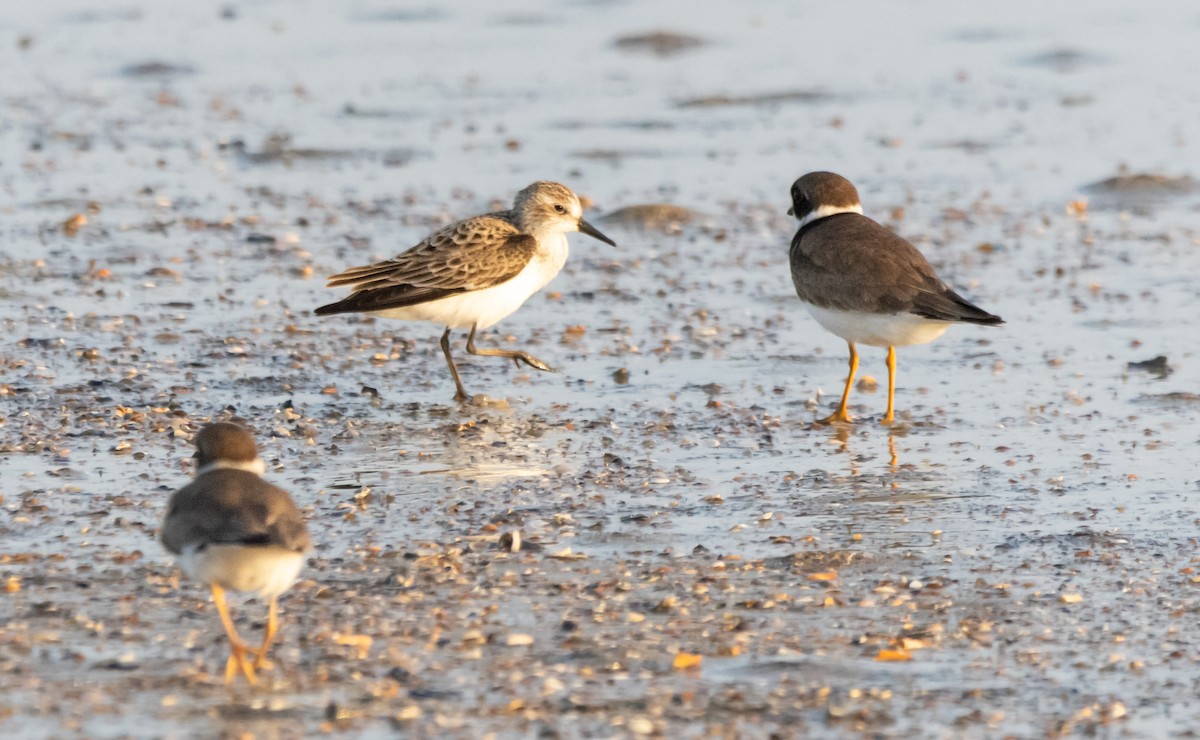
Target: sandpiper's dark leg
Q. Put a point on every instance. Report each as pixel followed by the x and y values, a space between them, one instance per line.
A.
pixel 515 355
pixel 461 394
pixel 841 414
pixel 890 416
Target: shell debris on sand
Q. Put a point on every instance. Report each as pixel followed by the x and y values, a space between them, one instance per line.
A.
pixel 1035 468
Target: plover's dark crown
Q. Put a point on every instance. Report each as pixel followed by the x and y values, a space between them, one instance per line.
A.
pixel 817 189
pixel 224 440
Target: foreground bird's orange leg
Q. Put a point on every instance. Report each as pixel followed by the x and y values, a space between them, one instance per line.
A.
pixel 890 416
pixel 238 649
pixel 841 414
pixel 260 661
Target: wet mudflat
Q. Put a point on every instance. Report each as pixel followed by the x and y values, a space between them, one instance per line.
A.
pixel 1015 557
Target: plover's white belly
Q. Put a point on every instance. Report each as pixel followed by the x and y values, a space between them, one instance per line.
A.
pixel 877 329
pixel 265 571
pixel 488 306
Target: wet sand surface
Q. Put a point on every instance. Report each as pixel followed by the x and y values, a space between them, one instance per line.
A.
pixel 1015 557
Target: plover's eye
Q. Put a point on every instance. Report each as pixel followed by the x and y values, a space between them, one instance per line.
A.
pixel 560 208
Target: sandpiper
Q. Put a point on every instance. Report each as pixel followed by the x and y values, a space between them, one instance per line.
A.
pixel 864 283
pixel 231 530
pixel 473 273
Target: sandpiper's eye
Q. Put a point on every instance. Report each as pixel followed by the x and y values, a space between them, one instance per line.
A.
pixel 560 208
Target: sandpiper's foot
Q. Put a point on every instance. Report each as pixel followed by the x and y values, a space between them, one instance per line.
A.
pixel 531 361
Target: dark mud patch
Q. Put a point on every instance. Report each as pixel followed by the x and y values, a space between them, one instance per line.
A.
pixel 652 217
pixel 156 70
pixel 617 155
pixel 1076 101
pixel 1139 192
pixel 659 43
pixel 525 19
pixel 111 15
pixel 354 110
pixel 630 125
pixel 1144 185
pixel 816 560
pixel 278 149
pixel 1174 399
pixel 969 146
pixel 1081 540
pixel 984 34
pixel 801 97
pixel 1063 60
pixel 402 15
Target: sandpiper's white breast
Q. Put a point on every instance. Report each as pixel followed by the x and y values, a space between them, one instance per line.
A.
pixel 483 308
pixel 878 329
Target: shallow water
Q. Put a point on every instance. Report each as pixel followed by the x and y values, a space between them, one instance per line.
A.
pixel 1024 538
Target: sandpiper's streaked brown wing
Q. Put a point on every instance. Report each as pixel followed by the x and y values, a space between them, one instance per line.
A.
pixel 848 262
pixel 233 507
pixel 474 254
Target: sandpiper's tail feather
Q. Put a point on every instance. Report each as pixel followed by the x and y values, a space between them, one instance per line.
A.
pixel 381 299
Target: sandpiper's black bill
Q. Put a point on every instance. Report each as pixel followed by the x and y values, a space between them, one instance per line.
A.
pixel 593 232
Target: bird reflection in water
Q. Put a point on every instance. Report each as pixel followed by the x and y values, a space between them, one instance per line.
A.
pixel 840 437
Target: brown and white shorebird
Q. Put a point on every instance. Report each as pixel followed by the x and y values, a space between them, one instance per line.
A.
pixel 232 530
pixel 864 283
pixel 473 273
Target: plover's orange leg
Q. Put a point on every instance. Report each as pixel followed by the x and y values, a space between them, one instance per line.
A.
pixel 260 660
pixel 890 416
pixel 238 649
pixel 460 394
pixel 841 415
pixel 516 356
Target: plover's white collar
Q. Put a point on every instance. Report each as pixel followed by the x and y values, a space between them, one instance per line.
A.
pixel 256 466
pixel 827 210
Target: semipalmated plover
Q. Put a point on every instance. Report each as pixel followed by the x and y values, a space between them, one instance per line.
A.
pixel 473 273
pixel 864 283
pixel 232 530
